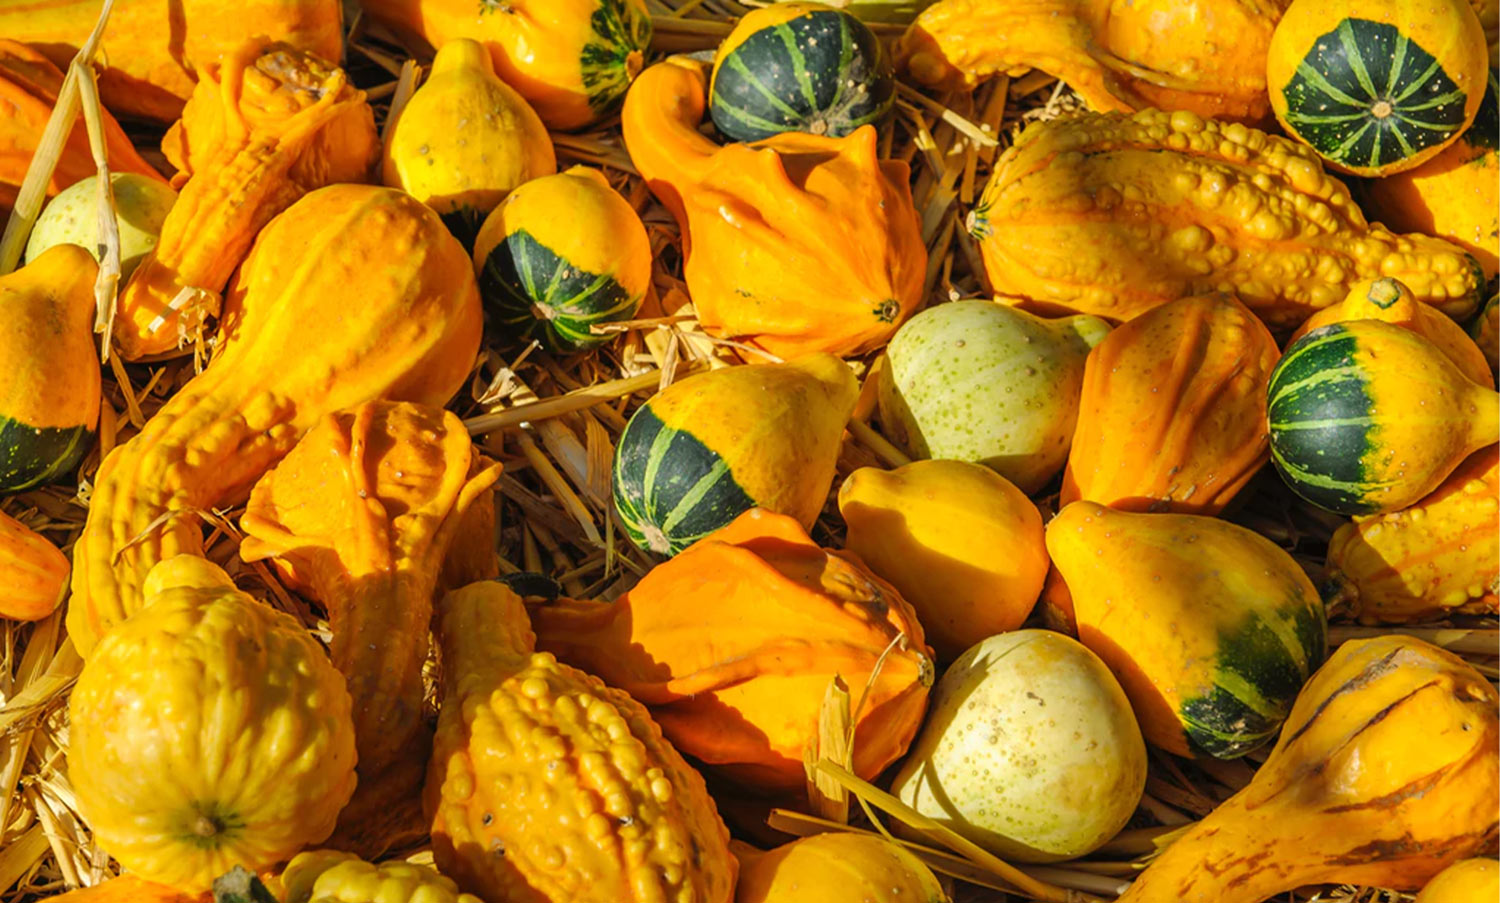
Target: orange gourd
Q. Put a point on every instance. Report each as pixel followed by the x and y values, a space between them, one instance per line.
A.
pixel 128 889
pixel 33 571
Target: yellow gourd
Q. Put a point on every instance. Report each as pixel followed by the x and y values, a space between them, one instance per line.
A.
pixel 1468 881
pixel 836 868
pixel 327 876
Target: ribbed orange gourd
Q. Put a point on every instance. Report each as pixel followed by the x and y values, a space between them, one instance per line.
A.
pixel 1205 56
pixel 1173 410
pixel 359 517
pixel 1385 772
pixel 299 341
pixel 547 785
pixel 264 127
pixel 785 617
pixel 1112 215
pixel 799 242
pixel 33 571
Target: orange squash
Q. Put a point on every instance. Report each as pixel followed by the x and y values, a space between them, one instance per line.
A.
pixel 33 571
pixel 129 889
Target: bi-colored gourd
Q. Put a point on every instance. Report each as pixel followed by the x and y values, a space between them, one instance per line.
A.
pixel 1113 215
pixel 1439 556
pixel 571 59
pixel 49 381
pixel 299 341
pixel 1377 87
pixel 1463 882
pixel 33 571
pixel 465 140
pixel 836 868
pixel 359 517
pixel 716 444
pixel 208 731
pixel 1366 416
pixel 569 777
pixel 550 277
pixel 1204 56
pixel 799 242
pixel 785 616
pixel 326 876
pixel 141 205
pixel 1385 772
pixel 1172 416
pixel 263 128
pixel 1211 628
pixel 960 542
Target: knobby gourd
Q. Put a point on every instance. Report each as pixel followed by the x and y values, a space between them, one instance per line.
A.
pixel 141 204
pixel 786 616
pixel 836 868
pixel 1463 882
pixel 298 341
pixel 797 243
pixel 264 127
pixel 1385 773
pixel 570 778
pixel 326 876
pixel 1113 215
pixel 359 517
pixel 33 571
pixel 208 730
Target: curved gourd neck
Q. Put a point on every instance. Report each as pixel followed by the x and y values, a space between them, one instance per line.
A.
pixel 660 122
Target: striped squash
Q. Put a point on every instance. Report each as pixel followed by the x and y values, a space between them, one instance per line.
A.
pixel 1379 86
pixel 1366 416
pixel 717 444
pixel 799 67
pixel 1211 628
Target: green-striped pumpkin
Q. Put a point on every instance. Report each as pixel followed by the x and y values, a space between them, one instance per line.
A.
pixel 799 67
pixel 1377 87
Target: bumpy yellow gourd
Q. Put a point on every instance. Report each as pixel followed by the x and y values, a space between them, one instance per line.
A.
pixel 836 868
pixel 328 876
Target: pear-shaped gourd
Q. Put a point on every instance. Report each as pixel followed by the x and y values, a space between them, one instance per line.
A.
pixel 141 205
pixel 1468 881
pixel 836 868
pixel 983 382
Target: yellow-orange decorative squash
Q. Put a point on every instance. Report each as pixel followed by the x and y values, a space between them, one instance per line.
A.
pixel 299 341
pixel 570 778
pixel 836 868
pixel 326 876
pixel 797 243
pixel 128 889
pixel 33 571
pixel 1469 881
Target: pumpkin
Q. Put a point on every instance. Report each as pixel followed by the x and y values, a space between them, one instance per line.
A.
pixel 1463 882
pixel 1113 215
pixel 263 128
pixel 49 384
pixel 571 59
pixel 837 868
pixel 33 570
pixel 465 140
pixel 208 730
pixel 960 542
pixel 978 381
pixel 1211 628
pixel 799 67
pixel 141 205
pixel 549 277
pixel 569 777
pixel 1173 409
pixel 786 618
pixel 1379 87
pixel 1386 771
pixel 1204 56
pixel 797 243
pixel 128 889
pixel 1367 417
pixel 716 444
pixel 1031 751
pixel 1440 556
pixel 1485 331
pixel 297 343
pixel 326 876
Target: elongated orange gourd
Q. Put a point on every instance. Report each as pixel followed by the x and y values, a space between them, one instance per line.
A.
pixel 33 571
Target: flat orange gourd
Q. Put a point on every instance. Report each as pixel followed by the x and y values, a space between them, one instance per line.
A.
pixel 33 571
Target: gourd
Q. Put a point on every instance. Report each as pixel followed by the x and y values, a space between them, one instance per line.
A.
pixel 982 382
pixel 1385 773
pixel 152 53
pixel 1113 215
pixel 33 571
pixel 1463 882
pixel 799 67
pixel 29 85
pixel 49 383
pixel 207 731
pixel 141 204
pixel 465 140
pixel 326 876
pixel 960 543
pixel 550 278
pixel 786 618
pixel 1368 417
pixel 837 868
pixel 1440 556
pixel 127 889
pixel 359 517
pixel 797 243
pixel 1204 56
pixel 1172 415
pixel 297 342
pixel 1211 628
pixel 569 777
pixel 1378 87
pixel 264 127
pixel 1031 751
pixel 571 59
pixel 1485 331
pixel 716 444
